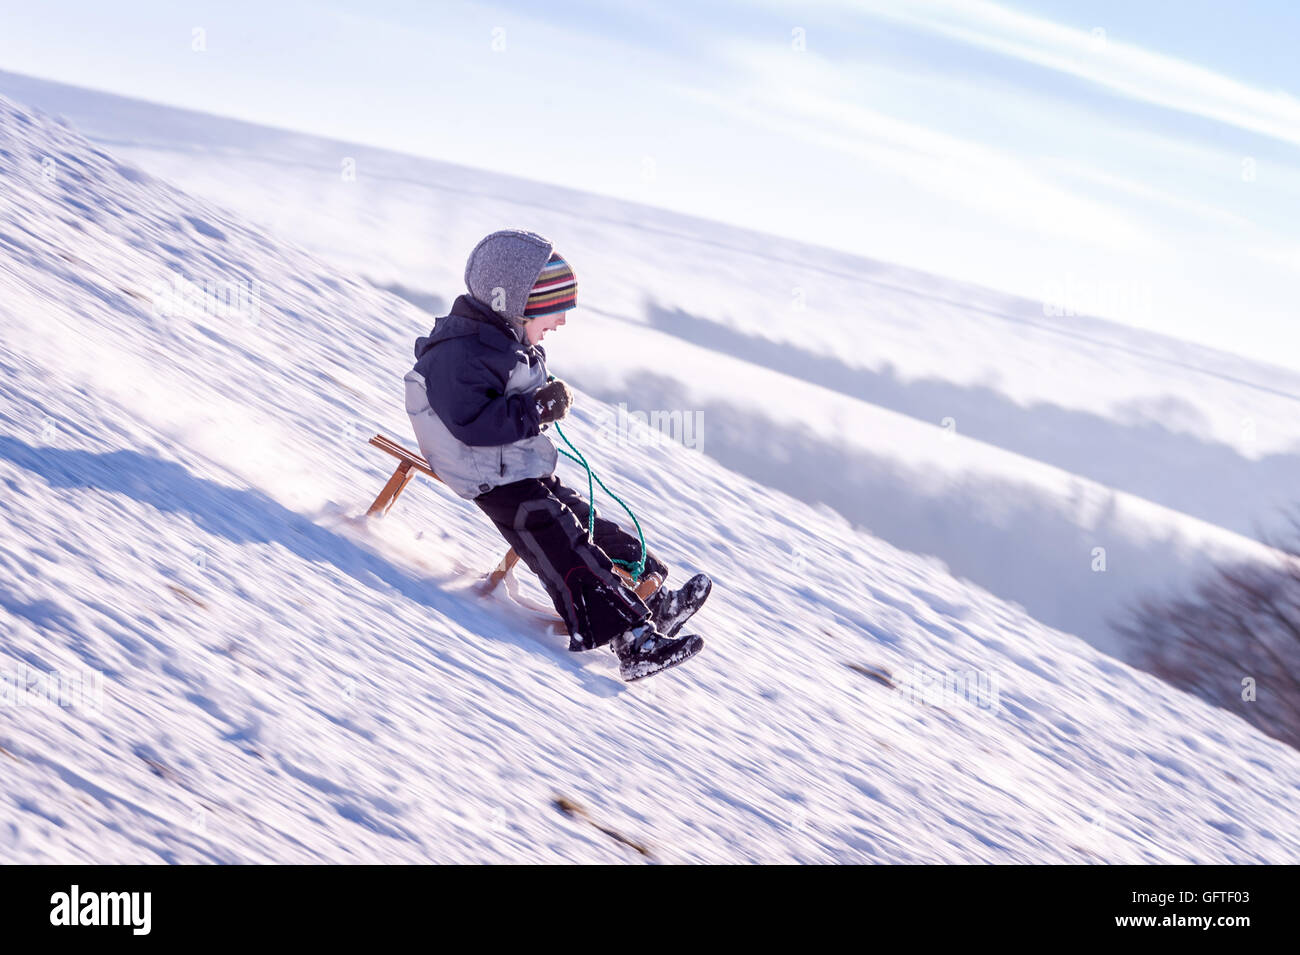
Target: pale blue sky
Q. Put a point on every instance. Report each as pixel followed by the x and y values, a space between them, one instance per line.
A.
pixel 1139 157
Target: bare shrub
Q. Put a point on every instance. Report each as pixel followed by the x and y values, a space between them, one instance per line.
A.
pixel 1234 641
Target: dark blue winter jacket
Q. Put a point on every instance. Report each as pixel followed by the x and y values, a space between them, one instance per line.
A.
pixel 471 400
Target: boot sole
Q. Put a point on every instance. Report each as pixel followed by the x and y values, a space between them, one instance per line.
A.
pixel 634 674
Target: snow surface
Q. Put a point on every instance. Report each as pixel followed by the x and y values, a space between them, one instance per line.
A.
pixel 282 682
pixel 946 419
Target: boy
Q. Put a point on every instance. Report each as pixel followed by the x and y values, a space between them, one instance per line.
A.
pixel 480 399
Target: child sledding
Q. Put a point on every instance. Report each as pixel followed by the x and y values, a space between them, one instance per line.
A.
pixel 480 401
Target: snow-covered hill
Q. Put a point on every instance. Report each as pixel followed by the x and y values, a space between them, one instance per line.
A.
pixel 950 420
pixel 282 684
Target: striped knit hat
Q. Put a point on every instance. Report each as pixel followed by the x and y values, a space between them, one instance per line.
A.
pixel 555 290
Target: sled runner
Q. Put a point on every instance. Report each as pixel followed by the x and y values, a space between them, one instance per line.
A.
pixel 409 463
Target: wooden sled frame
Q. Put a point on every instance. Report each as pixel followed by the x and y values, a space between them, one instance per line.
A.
pixel 409 464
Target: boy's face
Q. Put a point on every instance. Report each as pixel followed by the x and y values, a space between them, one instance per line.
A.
pixel 539 326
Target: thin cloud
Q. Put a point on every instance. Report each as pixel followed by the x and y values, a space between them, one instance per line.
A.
pixel 796 96
pixel 1125 68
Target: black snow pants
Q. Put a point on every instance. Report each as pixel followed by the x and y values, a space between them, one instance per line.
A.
pixel 546 523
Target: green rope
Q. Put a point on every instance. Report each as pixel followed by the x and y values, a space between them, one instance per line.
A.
pixel 635 568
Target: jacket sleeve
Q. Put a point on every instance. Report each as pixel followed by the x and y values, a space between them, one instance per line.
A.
pixel 467 391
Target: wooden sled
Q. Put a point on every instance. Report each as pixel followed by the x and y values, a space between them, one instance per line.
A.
pixel 409 464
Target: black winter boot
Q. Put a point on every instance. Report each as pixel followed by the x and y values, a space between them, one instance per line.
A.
pixel 672 608
pixel 643 651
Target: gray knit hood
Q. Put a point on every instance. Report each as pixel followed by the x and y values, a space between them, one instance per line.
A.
pixel 503 268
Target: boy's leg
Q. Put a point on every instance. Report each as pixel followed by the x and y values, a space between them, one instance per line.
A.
pixel 577 576
pixel 669 608
pixel 610 537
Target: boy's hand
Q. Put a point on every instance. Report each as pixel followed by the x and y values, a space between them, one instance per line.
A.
pixel 553 401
